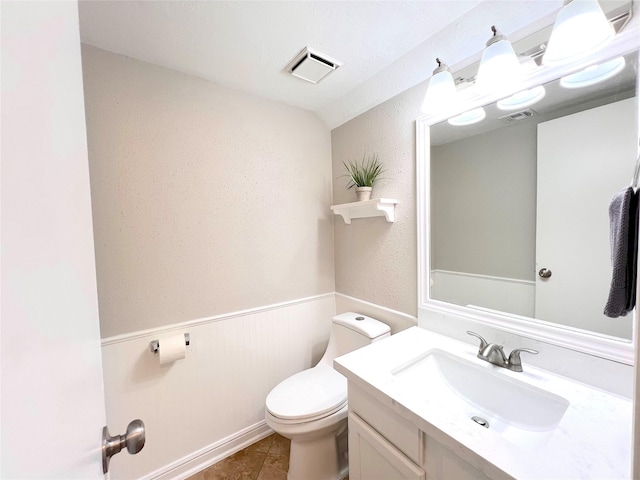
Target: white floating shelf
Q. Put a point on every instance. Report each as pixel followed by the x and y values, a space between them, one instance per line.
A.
pixel 368 208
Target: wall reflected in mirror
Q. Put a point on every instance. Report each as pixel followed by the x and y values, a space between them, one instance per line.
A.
pixel 519 204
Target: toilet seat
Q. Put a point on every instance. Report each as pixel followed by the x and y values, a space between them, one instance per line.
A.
pixel 308 395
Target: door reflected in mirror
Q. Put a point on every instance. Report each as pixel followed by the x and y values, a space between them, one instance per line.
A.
pixel 519 204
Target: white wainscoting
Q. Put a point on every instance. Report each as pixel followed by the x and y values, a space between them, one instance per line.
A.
pixel 497 293
pixel 210 404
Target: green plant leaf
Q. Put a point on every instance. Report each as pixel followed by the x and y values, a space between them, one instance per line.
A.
pixel 364 173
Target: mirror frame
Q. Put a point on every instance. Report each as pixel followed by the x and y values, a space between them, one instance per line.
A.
pixel 611 348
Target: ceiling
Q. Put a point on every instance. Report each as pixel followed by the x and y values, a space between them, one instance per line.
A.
pixel 384 47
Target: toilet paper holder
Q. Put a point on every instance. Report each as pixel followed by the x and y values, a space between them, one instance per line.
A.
pixel 154 345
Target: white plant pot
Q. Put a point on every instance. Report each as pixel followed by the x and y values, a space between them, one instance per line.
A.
pixel 363 193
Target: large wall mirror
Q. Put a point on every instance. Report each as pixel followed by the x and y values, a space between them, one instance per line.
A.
pixel 514 214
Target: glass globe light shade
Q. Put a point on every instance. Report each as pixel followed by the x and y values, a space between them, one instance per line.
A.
pixel 499 67
pixel 441 92
pixel 581 28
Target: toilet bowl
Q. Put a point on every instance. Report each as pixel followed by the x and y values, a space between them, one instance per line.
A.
pixel 310 407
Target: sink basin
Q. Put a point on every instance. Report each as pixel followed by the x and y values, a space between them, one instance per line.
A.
pixel 473 390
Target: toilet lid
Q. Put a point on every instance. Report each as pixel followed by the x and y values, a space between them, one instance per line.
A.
pixel 312 393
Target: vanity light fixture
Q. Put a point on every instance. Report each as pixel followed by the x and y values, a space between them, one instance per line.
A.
pixel 499 67
pixel 581 28
pixel 594 74
pixel 468 118
pixel 441 91
pixel 523 99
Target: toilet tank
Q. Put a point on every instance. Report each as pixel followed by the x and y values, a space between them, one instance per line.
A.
pixel 350 331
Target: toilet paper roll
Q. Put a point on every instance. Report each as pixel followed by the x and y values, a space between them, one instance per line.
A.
pixel 172 349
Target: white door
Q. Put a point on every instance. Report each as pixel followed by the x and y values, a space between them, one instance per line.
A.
pixel 52 410
pixel 584 159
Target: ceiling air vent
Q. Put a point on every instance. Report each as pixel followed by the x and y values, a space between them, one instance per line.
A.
pixel 311 66
pixel 514 117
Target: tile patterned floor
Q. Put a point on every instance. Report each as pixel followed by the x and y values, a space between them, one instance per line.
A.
pixel 267 459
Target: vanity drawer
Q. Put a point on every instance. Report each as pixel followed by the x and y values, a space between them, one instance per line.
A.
pixel 396 429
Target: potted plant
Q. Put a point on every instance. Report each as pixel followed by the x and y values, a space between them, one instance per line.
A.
pixel 363 175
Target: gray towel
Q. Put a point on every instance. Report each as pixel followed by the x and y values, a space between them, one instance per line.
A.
pixel 623 219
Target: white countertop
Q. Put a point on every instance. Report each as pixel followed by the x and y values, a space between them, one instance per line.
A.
pixel 592 440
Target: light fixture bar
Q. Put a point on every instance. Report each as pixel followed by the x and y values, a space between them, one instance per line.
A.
pixel 522 47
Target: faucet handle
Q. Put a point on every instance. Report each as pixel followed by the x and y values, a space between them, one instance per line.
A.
pixel 483 342
pixel 515 362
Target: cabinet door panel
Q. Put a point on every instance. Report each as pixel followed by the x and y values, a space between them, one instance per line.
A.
pixel 397 430
pixel 372 457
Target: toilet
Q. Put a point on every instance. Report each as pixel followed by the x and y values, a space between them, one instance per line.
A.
pixel 310 407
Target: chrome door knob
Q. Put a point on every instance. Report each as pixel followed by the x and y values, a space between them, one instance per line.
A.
pixel 133 439
pixel 544 273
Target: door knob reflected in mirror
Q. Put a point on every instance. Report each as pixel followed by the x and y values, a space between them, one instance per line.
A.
pixel 544 273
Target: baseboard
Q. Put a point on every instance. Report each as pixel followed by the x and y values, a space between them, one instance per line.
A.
pixel 197 461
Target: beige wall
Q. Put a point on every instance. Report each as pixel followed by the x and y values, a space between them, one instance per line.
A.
pixel 487 180
pixel 205 200
pixel 376 261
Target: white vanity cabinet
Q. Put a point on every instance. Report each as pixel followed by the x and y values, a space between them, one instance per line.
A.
pixel 372 457
pixel 382 444
pixel 418 426
pixel 442 463
pixel 385 446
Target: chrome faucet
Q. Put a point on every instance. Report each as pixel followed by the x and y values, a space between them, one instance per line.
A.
pixel 494 354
